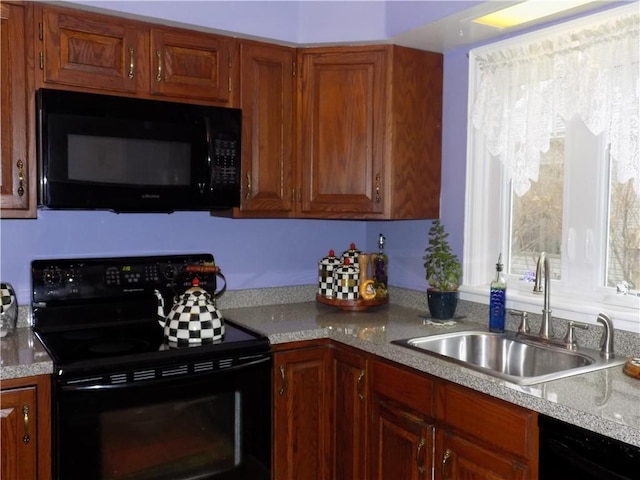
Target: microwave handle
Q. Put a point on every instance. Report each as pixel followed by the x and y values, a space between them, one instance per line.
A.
pixel 210 163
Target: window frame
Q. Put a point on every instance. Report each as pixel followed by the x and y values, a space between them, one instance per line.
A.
pixel 486 228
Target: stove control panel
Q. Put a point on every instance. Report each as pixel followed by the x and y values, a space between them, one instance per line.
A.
pixel 86 279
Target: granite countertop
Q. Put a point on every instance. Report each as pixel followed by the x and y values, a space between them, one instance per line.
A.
pixel 22 355
pixel 605 401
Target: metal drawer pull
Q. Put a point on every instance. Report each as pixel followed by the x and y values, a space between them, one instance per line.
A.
pixel 283 384
pixel 419 459
pixel 25 413
pixel 20 165
pixel 159 72
pixel 131 64
pixel 248 195
pixel 445 457
pixel 360 379
pixel 378 181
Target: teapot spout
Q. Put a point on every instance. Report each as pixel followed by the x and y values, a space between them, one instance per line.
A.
pixel 161 316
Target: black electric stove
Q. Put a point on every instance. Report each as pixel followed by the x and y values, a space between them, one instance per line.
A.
pixel 97 315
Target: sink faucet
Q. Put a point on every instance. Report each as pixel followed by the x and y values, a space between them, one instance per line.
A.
pixel 546 329
pixel 606 345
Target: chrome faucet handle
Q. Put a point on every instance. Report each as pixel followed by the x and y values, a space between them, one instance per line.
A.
pixel 606 344
pixel 524 322
pixel 569 339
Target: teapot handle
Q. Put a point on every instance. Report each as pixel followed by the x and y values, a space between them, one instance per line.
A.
pixel 219 293
pixel 209 269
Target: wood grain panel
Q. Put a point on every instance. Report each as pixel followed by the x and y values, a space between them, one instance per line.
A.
pixel 82 49
pixel 415 390
pixel 496 422
pixel 267 128
pixel 190 64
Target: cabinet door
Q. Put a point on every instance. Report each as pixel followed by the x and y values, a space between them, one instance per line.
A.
pixel 401 424
pixel 461 458
pixel 17 185
pixel 351 397
pixel 341 131
pixel 301 414
pixel 18 434
pixel 401 443
pixel 267 128
pixel 191 64
pixel 93 51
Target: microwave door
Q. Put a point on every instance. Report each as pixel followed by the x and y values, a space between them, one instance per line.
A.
pixel 124 154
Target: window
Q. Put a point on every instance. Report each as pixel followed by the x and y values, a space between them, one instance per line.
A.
pixel 553 166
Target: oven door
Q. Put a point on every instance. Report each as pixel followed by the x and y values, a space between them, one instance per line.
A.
pixel 212 425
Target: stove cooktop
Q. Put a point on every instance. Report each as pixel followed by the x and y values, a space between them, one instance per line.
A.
pixel 99 349
pixel 99 315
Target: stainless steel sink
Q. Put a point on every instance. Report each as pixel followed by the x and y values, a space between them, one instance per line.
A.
pixel 505 356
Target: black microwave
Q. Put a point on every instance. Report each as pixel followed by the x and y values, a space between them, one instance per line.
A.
pixel 135 155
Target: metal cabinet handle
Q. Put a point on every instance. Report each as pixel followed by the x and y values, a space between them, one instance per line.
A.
pixel 20 165
pixel 360 381
pixel 248 194
pixel 131 64
pixel 159 72
pixel 419 459
pixel 283 383
pixel 445 458
pixel 378 182
pixel 25 415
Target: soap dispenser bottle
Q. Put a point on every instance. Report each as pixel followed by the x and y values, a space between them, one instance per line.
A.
pixel 497 300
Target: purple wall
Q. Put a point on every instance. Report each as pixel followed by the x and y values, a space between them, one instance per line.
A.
pixel 257 253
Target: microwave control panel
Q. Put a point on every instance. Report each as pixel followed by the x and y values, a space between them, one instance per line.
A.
pixel 226 162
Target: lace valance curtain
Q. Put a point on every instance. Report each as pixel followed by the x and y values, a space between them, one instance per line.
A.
pixel 592 72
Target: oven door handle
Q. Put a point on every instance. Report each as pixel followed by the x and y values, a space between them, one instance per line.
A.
pixel 155 377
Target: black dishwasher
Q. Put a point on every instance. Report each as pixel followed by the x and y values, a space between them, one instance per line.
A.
pixel 568 452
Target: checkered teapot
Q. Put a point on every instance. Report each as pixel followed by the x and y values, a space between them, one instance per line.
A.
pixel 194 318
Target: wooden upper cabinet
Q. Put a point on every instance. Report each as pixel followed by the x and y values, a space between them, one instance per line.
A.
pixel 100 52
pixel 17 184
pixel 369 132
pixel 191 64
pixel 266 99
pixel 341 131
pixel 89 50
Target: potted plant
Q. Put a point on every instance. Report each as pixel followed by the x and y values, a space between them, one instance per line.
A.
pixel 443 273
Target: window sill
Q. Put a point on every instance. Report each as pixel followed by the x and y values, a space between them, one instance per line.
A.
pixel 624 312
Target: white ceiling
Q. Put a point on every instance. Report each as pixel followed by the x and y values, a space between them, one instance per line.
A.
pixel 458 30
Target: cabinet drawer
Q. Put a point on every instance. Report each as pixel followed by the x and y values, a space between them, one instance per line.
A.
pixel 404 386
pixel 496 422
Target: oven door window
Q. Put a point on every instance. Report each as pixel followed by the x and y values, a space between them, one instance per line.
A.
pixel 216 427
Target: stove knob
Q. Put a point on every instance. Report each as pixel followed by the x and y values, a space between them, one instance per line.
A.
pixel 169 272
pixel 52 277
pixel 69 276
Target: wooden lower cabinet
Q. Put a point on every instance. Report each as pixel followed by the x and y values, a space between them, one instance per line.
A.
pixel 343 414
pixel 484 438
pixel 25 429
pixel 462 458
pixel 301 413
pixel 401 443
pixel 350 411
pixel 401 440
